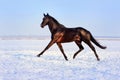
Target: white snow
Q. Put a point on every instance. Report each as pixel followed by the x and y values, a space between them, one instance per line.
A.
pixel 18 61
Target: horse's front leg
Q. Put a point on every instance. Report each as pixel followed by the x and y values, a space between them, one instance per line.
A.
pixel 48 46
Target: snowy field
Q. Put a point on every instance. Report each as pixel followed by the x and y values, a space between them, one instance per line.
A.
pixel 18 61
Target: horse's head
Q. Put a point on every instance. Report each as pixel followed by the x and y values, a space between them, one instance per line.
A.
pixel 46 20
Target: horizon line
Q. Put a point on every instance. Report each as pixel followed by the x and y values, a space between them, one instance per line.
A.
pixel 45 37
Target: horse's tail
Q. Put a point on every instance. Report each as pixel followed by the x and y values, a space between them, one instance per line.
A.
pixel 95 42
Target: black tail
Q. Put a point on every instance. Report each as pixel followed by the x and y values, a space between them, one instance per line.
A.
pixel 94 41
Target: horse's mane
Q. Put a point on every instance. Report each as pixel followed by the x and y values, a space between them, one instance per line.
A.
pixel 56 21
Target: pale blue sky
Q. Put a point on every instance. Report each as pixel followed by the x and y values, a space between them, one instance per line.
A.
pixel 23 17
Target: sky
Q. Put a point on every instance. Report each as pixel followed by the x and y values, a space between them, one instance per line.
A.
pixel 23 17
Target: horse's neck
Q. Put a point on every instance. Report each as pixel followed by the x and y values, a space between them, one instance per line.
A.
pixel 54 26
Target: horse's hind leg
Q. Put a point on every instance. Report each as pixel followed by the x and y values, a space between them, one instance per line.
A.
pixel 80 48
pixel 93 48
pixel 61 49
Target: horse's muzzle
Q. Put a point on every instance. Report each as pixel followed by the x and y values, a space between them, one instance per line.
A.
pixel 42 26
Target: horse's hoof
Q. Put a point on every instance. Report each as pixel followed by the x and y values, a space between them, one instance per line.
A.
pixel 98 59
pixel 73 57
pixel 38 55
pixel 66 59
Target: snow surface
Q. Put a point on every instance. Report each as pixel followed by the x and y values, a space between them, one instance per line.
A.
pixel 18 61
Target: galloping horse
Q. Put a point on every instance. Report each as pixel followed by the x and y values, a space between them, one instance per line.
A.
pixel 62 34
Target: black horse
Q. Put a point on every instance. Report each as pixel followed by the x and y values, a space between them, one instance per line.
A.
pixel 61 34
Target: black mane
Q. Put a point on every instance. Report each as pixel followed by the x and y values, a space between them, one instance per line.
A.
pixel 54 20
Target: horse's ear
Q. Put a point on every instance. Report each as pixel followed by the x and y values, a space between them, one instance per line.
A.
pixel 47 14
pixel 44 14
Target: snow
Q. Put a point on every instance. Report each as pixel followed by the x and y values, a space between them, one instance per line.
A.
pixel 18 61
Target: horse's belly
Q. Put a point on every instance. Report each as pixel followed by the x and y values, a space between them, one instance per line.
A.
pixel 68 36
pixel 63 40
pixel 68 39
